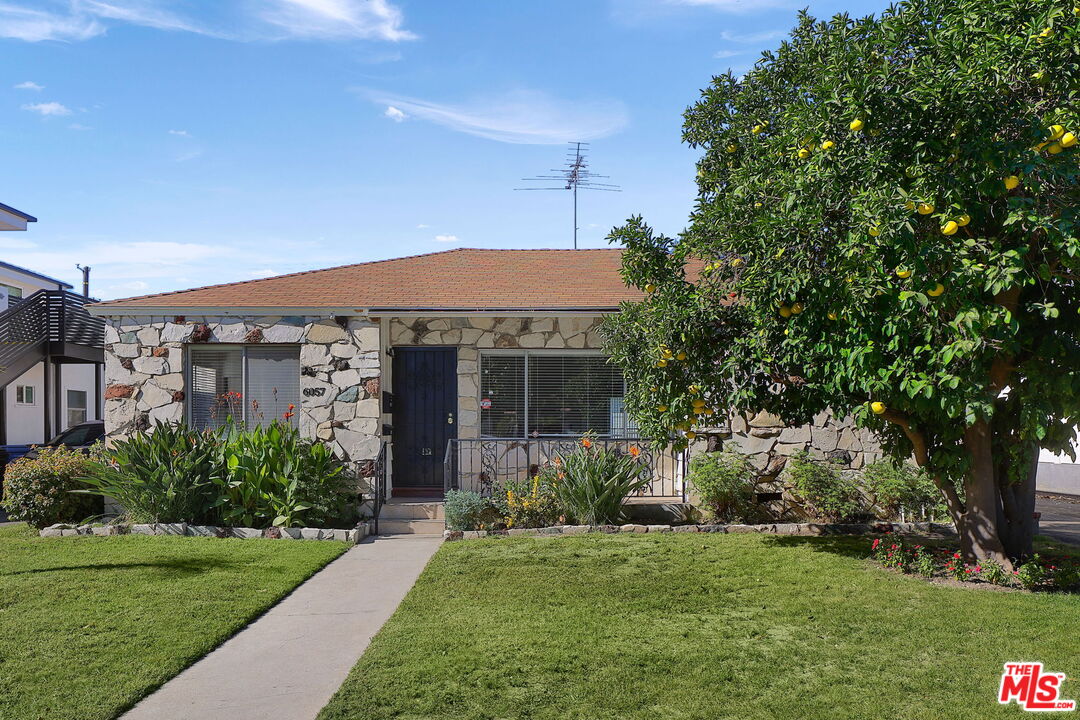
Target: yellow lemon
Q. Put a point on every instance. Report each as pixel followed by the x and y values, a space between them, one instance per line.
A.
pixel 732 148
pixel 786 331
pixel 910 205
pixel 828 145
pixel 849 279
pixel 709 411
pixel 736 262
pixel 925 208
pixel 938 289
pixel 1068 140
pixel 757 204
pixel 785 311
pixel 650 288
pixel 1012 182
pixel 803 154
pixel 757 129
pixel 856 125
pixel 1076 11
pixel 950 228
pixel 796 308
pixel 832 316
pixel 681 356
pixel 874 231
pixel 1045 34
pixel 694 390
pixel 661 363
pixel 963 220
pixel 1054 148
pixel 690 434
pixel 903 273
pixel 1056 131
pixel 877 407
pixel 701 173
pixel 662 408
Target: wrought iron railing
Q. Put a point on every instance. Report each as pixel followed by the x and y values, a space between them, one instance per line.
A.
pixel 483 465
pixel 378 487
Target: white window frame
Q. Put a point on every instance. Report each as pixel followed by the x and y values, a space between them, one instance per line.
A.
pixel 189 397
pixel 69 407
pixel 20 392
pixel 526 353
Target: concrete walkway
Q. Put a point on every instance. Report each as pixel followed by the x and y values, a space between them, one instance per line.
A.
pixel 1060 517
pixel 290 661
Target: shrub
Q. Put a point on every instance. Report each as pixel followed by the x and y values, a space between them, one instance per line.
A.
pixel 827 493
pixel 467 510
pixel 533 503
pixel 725 482
pixel 993 572
pixel 593 482
pixel 903 491
pixel 233 475
pixel 39 490
pixel 159 476
pixel 270 476
pixel 1032 574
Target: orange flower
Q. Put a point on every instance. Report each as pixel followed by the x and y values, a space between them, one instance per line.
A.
pixel 586 443
pixel 634 451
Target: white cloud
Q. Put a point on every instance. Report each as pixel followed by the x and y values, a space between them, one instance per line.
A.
pixel 181 133
pixel 28 85
pixel 446 238
pixel 337 19
pixel 264 273
pixel 421 226
pixel 49 108
pixel 394 114
pixel 70 20
pixel 79 126
pixel 524 116
pixel 758 37
pixel 733 6
pixel 722 54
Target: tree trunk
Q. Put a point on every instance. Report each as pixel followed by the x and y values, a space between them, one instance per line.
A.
pixel 1016 523
pixel 978 526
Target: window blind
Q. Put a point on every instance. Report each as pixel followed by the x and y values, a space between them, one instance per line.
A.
pixel 546 394
pixel 273 383
pixel 215 373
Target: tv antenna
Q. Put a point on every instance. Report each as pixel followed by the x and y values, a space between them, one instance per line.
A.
pixel 574 175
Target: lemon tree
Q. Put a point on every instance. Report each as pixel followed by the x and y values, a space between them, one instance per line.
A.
pixel 886 225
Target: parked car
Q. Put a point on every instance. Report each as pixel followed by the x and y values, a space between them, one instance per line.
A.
pixel 76 437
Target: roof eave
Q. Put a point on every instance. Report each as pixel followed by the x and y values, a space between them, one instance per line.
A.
pixel 106 309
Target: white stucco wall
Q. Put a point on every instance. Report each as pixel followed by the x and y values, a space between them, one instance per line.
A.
pixel 25 423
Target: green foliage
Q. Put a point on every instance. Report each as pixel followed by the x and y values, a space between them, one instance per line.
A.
pixel 533 502
pixel 38 490
pixel 903 491
pixel 993 572
pixel 467 510
pixel 232 475
pixel 784 292
pixel 593 482
pixel 826 492
pixel 160 476
pixel 1032 574
pixel 725 482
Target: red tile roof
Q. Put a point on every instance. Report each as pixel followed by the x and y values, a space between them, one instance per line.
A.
pixel 465 279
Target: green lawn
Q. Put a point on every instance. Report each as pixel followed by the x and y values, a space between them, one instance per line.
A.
pixel 697 626
pixel 90 625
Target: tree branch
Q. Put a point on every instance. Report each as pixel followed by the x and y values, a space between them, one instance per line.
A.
pixel 922 459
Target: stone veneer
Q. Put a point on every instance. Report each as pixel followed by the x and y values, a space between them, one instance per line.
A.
pixel 146 378
pixel 473 334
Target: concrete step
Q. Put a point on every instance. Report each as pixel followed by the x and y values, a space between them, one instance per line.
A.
pixel 410 527
pixel 412 510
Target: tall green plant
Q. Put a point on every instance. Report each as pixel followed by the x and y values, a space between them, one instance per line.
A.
pixel 593 482
pixel 725 484
pixel 159 476
pixel 826 492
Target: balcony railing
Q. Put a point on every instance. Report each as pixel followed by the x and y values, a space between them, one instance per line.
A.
pixel 484 465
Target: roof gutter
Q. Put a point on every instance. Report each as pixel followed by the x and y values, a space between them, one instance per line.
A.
pixel 108 310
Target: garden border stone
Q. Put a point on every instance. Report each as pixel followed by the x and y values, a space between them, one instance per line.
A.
pixel 805 529
pixel 350 535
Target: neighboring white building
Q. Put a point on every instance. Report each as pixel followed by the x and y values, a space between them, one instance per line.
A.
pixel 49 379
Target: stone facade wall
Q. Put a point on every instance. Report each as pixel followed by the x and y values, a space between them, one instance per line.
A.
pixel 473 334
pixel 145 374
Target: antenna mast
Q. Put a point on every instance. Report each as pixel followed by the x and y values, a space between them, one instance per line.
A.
pixel 575 174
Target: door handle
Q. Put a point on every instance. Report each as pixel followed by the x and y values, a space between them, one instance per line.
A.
pixel 450 418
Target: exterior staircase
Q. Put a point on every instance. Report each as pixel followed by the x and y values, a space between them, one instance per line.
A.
pixel 50 324
pixel 412 516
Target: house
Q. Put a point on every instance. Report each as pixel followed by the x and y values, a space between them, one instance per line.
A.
pixel 51 355
pixel 447 370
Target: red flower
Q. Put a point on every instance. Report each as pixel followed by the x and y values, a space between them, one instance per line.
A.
pixel 634 451
pixel 586 443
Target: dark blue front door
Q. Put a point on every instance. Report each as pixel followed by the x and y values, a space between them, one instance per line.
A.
pixel 425 416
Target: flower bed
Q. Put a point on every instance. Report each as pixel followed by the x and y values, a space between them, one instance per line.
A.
pixel 1049 573
pixel 923 528
pixel 351 536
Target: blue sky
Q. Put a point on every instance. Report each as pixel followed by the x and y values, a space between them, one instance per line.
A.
pixel 170 144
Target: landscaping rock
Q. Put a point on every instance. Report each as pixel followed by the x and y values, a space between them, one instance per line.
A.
pixel 633 528
pixel 605 528
pixel 741 529
pixel 473 534
pixel 172 529
pixel 51 532
pixel 104 530
pixel 144 529
pixel 204 530
pixel 339 535
pixel 310 533
pixel 684 528
pixel 69 533
pixel 290 533
pixel 713 528
pixel 272 533
pixel 518 532
pixel 658 528
pixel 452 535
pixel 246 533
pixel 576 529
